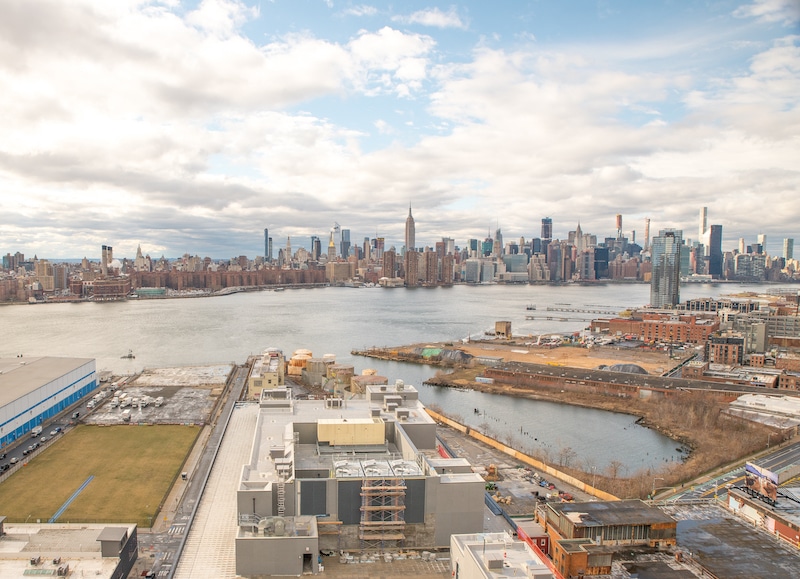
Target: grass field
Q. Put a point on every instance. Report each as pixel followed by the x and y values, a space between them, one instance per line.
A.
pixel 133 468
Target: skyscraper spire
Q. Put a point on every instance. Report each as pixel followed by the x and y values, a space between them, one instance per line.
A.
pixel 410 231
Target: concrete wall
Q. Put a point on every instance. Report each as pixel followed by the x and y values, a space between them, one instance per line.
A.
pixel 422 435
pixel 263 502
pixel 457 508
pixel 275 555
pixel 550 471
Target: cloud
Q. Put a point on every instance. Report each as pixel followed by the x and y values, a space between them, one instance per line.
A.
pixel 361 10
pixel 204 135
pixel 221 17
pixel 433 17
pixel 787 12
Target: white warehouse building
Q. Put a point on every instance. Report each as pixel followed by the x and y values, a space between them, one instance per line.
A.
pixel 35 389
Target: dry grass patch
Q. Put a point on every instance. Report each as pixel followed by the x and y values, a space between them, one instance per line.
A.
pixel 133 468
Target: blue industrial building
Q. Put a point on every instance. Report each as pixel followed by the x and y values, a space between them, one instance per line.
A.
pixel 35 389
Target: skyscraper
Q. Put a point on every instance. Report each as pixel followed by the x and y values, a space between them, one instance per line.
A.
pixel 702 225
pixel 666 276
pixel 788 248
pixel 344 244
pixel 316 247
pixel 715 251
pixel 647 234
pixel 547 230
pixel 497 248
pixel 410 231
pixel 267 247
pixel 336 240
pixel 762 241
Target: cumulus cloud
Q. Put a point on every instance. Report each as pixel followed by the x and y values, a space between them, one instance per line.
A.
pixel 434 17
pixel 361 10
pixel 205 135
pixel 787 12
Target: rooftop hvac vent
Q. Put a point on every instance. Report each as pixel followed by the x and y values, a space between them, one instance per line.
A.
pixel 494 561
pixel 399 384
pixel 375 412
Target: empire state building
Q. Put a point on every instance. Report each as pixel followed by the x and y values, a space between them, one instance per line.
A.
pixel 410 241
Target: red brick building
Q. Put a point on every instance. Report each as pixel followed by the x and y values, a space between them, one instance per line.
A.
pixel 655 327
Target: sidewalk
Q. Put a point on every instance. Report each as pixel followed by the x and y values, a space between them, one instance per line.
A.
pixel 165 517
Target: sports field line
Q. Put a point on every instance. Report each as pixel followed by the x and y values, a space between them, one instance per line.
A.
pixel 74 496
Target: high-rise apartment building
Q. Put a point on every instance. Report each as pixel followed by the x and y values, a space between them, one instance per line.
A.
pixel 788 248
pixel 666 261
pixel 411 265
pixel 431 265
pixel 715 251
pixel 389 264
pixel 267 246
pixel 410 231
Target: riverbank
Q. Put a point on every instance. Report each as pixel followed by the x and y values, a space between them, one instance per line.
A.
pixel 693 419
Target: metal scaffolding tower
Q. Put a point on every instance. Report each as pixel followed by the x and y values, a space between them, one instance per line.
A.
pixel 281 499
pixel 382 513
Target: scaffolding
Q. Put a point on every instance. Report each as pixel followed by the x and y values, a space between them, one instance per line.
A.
pixel 382 513
pixel 281 499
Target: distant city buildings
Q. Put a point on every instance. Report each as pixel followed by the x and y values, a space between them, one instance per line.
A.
pixel 580 257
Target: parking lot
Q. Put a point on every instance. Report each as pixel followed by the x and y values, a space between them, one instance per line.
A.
pixel 184 395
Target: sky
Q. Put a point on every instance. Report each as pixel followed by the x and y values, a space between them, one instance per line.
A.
pixel 189 127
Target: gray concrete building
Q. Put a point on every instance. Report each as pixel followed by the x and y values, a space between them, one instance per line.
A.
pixel 348 474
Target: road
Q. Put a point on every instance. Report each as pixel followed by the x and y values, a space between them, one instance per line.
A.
pixel 709 486
pixel 164 547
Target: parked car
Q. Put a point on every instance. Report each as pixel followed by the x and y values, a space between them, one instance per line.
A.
pixel 14 460
pixel 4 467
pixel 43 439
pixel 3 455
pixel 55 431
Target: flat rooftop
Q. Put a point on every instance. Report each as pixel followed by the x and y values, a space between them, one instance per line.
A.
pixel 498 555
pixel 76 544
pixel 606 513
pixel 730 547
pixel 20 376
pixel 274 433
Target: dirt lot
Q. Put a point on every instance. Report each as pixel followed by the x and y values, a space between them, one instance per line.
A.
pixel 654 361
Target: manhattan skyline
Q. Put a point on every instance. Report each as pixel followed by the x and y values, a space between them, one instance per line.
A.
pixel 192 126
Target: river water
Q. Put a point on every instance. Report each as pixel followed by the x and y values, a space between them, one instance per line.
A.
pixel 200 331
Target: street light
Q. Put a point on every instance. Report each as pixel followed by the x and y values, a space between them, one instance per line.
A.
pixel 653 495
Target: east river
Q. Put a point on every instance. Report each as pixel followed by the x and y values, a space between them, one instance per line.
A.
pixel 213 330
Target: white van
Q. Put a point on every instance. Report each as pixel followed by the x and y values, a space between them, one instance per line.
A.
pixel 36 431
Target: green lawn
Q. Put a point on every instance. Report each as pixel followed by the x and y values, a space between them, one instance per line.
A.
pixel 133 468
